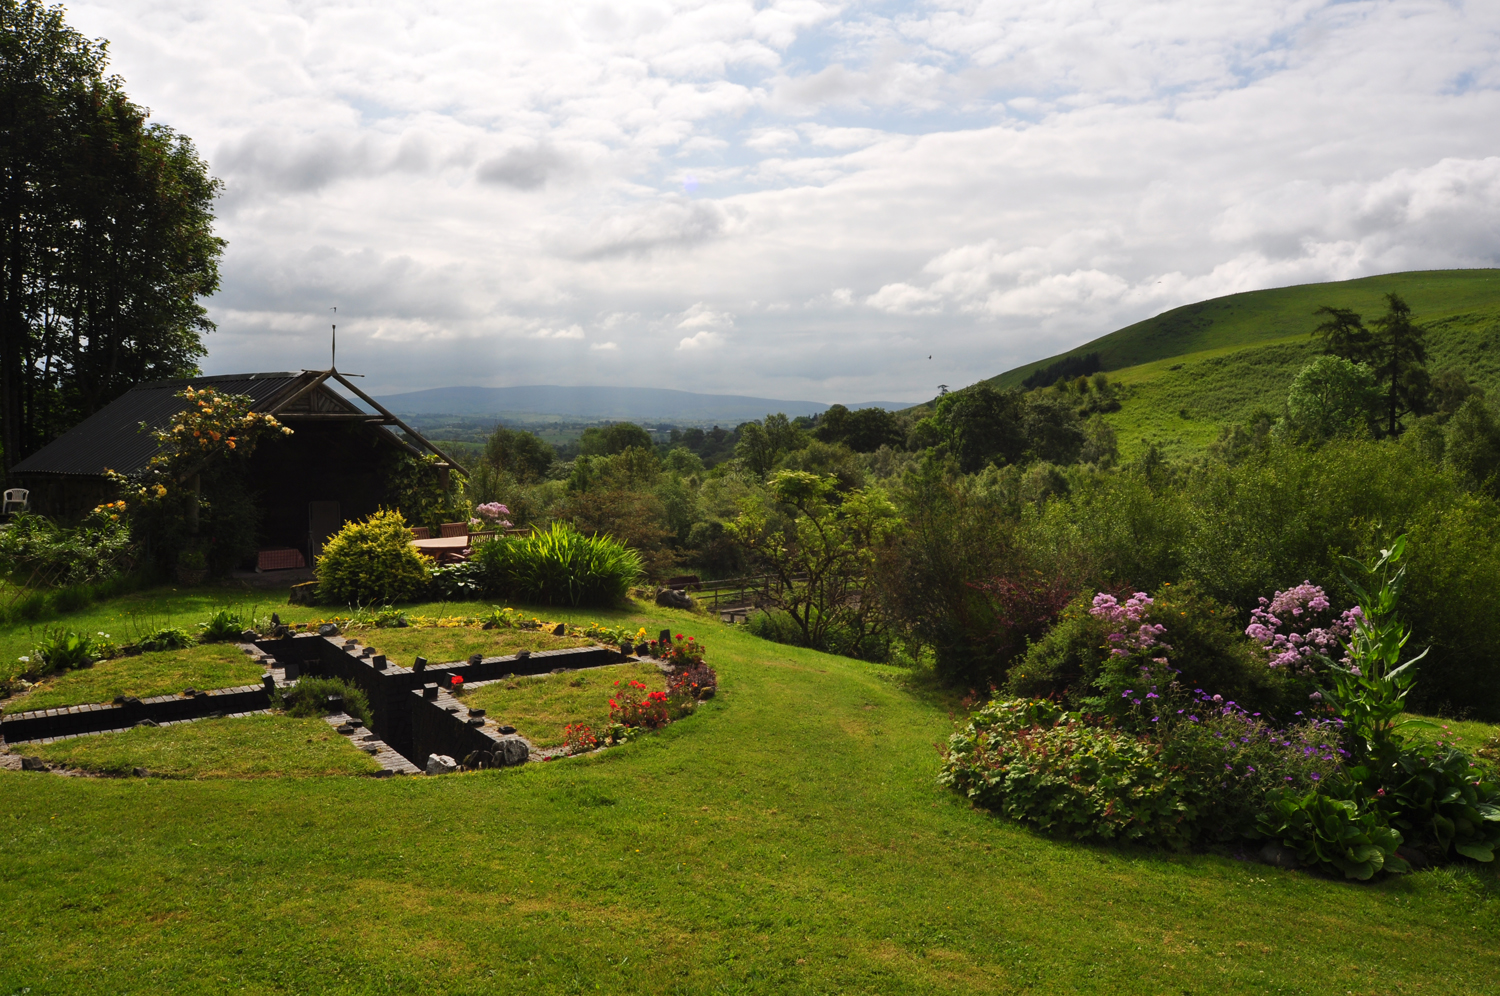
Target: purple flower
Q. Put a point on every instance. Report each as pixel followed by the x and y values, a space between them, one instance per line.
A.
pixel 1315 777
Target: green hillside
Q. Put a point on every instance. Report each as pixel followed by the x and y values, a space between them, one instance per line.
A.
pixel 1182 402
pixel 1264 316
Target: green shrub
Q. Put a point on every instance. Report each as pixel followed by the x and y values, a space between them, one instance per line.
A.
pixel 221 627
pixel 1192 780
pixel 372 562
pixel 38 554
pixel 172 638
pixel 309 698
pixel 558 566
pixel 1066 661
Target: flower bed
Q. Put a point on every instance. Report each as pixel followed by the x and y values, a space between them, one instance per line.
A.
pixel 1141 757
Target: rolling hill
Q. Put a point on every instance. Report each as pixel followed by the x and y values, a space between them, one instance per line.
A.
pixel 1188 372
pixel 648 404
pixel 1260 317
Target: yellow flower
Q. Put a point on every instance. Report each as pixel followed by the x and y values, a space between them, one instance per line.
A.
pixel 115 517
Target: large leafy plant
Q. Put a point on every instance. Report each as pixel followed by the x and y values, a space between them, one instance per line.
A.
pixel 1336 835
pixel 1370 693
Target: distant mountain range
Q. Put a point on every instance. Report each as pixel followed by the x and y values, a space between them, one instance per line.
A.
pixel 635 404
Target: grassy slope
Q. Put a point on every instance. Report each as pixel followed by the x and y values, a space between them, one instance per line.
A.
pixel 787 838
pixel 1263 316
pixel 1182 402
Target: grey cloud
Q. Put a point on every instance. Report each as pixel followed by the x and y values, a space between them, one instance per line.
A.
pixel 524 168
pixel 305 164
pixel 661 226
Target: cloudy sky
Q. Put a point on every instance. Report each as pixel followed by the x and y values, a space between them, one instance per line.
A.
pixel 796 198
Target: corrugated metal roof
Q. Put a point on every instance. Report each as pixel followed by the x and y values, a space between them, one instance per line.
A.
pixel 112 438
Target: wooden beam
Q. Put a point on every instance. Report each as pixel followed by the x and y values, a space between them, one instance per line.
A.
pixel 301 392
pixel 335 417
pixel 404 427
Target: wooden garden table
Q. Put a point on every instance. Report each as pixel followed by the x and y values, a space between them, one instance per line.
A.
pixel 442 544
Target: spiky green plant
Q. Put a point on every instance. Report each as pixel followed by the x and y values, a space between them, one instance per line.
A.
pixel 559 566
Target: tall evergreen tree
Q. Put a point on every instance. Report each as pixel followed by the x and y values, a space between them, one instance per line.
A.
pixel 1399 355
pixel 1344 334
pixel 106 241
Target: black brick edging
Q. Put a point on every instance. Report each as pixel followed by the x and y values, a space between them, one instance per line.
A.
pixel 99 717
pixel 441 724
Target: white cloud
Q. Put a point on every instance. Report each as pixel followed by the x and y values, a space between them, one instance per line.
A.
pixel 571 332
pixel 987 181
pixel 701 340
pixel 701 316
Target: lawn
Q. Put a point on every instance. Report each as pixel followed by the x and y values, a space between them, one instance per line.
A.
pixel 441 644
pixel 539 707
pixel 215 665
pixel 789 838
pixel 234 747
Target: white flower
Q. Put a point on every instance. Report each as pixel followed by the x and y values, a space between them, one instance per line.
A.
pixel 25 660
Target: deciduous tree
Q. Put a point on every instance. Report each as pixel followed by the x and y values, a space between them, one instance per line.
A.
pixel 106 244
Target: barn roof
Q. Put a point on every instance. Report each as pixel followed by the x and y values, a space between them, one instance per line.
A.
pixel 112 438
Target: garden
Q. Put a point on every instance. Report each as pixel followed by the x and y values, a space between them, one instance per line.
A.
pixel 570 710
pixel 1011 714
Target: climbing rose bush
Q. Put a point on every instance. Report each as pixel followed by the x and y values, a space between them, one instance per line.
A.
pixel 1297 627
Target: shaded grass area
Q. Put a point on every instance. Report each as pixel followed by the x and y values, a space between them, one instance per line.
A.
pixel 240 747
pixel 539 707
pixel 789 838
pixel 215 665
pixel 441 644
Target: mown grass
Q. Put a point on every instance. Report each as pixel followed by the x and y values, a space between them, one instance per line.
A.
pixel 788 838
pixel 540 706
pixel 441 644
pixel 215 665
pixel 234 747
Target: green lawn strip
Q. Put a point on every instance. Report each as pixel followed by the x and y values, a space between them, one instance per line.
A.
pixel 233 747
pixel 216 665
pixel 540 706
pixel 444 644
pixel 789 839
pixel 1470 735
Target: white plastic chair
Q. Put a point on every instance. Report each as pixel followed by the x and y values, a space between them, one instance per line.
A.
pixel 16 500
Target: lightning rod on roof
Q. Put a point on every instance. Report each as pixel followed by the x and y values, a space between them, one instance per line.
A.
pixel 333 348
